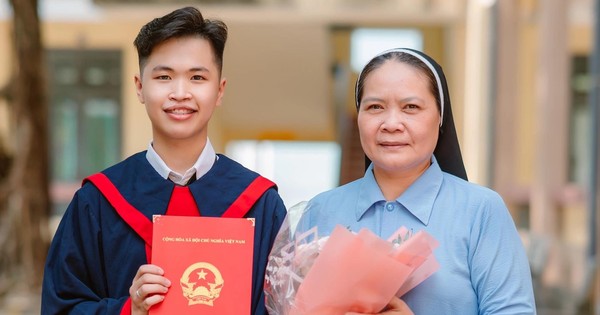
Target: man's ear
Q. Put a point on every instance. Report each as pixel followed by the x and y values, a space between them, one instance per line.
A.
pixel 137 80
pixel 222 85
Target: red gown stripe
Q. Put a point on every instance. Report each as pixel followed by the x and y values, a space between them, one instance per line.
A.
pixel 134 218
pixel 248 198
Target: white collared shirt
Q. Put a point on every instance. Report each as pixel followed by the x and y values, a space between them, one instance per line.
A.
pixel 202 166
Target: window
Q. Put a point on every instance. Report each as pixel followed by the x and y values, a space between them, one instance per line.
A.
pixel 85 111
pixel 580 123
pixel 368 42
pixel 300 169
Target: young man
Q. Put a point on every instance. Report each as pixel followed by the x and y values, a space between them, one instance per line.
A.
pixel 98 260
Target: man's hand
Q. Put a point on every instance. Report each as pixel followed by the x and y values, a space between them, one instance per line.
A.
pixel 148 288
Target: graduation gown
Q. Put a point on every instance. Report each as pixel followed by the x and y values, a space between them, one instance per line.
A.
pixel 95 255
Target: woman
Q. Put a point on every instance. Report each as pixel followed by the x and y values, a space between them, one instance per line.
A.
pixel 417 179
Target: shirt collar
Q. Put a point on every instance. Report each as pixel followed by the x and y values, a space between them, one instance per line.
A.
pixel 202 166
pixel 418 199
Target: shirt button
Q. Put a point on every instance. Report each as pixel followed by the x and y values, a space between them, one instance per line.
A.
pixel 389 207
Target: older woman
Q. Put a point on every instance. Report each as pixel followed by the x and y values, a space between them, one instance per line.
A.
pixel 417 179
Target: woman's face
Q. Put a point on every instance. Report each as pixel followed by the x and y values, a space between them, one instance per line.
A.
pixel 398 119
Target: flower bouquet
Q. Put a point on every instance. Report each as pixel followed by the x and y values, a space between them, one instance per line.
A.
pixel 308 273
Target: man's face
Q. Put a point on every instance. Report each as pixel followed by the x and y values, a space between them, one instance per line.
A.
pixel 180 85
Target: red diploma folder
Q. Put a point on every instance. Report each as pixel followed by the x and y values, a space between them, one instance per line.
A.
pixel 209 263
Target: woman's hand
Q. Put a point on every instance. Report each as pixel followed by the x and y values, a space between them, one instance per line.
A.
pixel 148 288
pixel 395 307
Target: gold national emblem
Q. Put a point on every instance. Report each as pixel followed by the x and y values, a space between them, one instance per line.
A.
pixel 201 283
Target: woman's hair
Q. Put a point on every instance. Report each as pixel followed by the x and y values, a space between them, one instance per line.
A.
pixel 402 57
pixel 182 22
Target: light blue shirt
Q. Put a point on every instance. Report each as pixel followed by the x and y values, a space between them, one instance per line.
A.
pixel 483 265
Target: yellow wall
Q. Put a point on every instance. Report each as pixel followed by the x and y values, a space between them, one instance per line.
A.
pixel 283 66
pixel 278 82
pixel 277 63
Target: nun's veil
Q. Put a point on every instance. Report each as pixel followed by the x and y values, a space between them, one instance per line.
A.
pixel 447 149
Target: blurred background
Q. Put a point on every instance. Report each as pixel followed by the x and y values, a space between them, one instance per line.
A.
pixel 523 77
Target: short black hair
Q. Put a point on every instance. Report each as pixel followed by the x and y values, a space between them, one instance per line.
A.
pixel 187 21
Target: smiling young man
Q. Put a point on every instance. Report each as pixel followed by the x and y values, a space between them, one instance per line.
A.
pixel 98 260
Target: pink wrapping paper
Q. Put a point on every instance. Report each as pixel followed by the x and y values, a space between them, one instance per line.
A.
pixel 416 252
pixel 346 272
pixel 354 283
